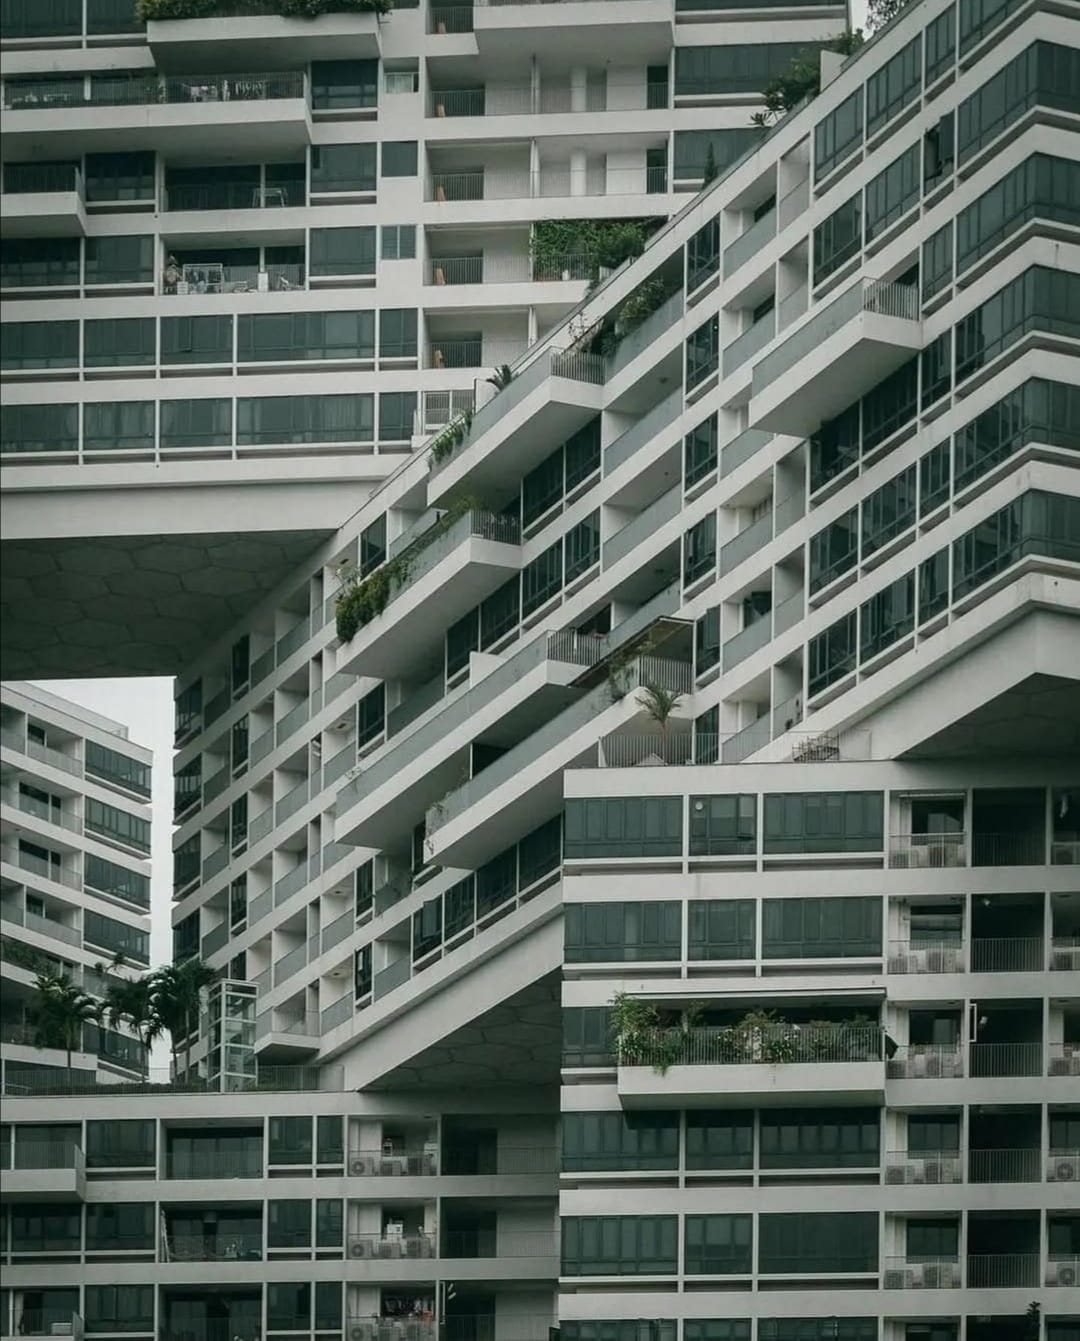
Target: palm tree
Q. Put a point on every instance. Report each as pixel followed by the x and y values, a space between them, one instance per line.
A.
pixel 501 376
pixel 131 1001
pixel 59 1011
pixel 659 703
pixel 175 991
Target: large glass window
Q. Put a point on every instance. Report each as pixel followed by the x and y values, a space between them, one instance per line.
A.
pixel 820 1138
pixel 978 18
pixel 290 336
pixel 940 42
pixel 699 549
pixel 116 825
pixel 397 333
pixel 631 1142
pixel 119 1308
pixel 833 550
pixel 700 451
pixel 897 83
pixel 719 1139
pixel 120 1226
pixel 838 238
pixel 1037 411
pixel 723 825
pixel 583 546
pixel 124 1143
pixel 889 511
pixel 290 1140
pixel 707 641
pixel 587 1037
pixel 31 263
pixel 630 826
pixel 120 177
pixel 48 1227
pixel 703 249
pixel 196 423
pixel 106 933
pixel 197 339
pixel 344 84
pixel 824 822
pixel 622 932
pixel 734 68
pixel 818 1329
pixel 721 928
pixel 1037 523
pixel 343 168
pixel 120 260
pixel 839 134
pixel 399 158
pixel 1045 75
pixel 893 192
pixel 620 1245
pixel 702 352
pixel 119 342
pixel 289 1223
pixel 887 616
pixel 1042 188
pixel 581 453
pixel 692 149
pixel 264 420
pixel 541 579
pixel 718 1245
pixel 118 425
pixel 342 251
pixel 39 428
pixel 821 928
pixel 834 447
pixel 39 344
pixel 1040 299
pixel 809 1243
pixel 32 177
pixel 116 881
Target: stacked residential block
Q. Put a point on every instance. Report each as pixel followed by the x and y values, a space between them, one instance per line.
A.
pixel 74 880
pixel 640 846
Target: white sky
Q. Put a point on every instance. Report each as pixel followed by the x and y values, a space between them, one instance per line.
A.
pixel 145 706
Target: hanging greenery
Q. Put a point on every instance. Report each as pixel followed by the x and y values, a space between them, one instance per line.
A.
pixel 801 79
pixel 450 439
pixel 601 243
pixel 146 10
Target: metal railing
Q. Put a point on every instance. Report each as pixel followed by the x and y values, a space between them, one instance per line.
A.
pixel 1007 954
pixel 940 957
pixel 938 1273
pixel 371 1163
pixel 364 1327
pixel 81 1084
pixel 1065 954
pixel 32 95
pixel 50 1322
pixel 1006 1059
pixel 414 1244
pixel 546 99
pixel 46 179
pixel 632 751
pixel 448 19
pixel 224 1247
pixel 777 1045
pixel 1005 1166
pixel 929 1061
pixel 495 268
pixel 23 1154
pixel 548 183
pixel 455 353
pixel 924 1167
pixel 921 850
pixel 489 1327
pixel 1002 1270
pixel 1007 849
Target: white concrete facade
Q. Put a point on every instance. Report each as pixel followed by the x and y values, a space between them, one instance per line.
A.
pixel 808 465
pixel 75 850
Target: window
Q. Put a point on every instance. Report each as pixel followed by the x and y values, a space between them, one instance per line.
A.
pixel 117 825
pixel 707 736
pixel 1045 74
pixel 1036 523
pixel 281 337
pixel 328 1314
pixel 702 352
pixel 541 579
pixel 290 1140
pixel 586 1036
pixel 27 263
pixel 932 1240
pixel 838 238
pixel 622 932
pixel 814 1138
pixel 737 68
pixel 936 362
pixel 583 546
pixel 185 937
pixel 427 931
pixel 721 928
pixel 330 1219
pixel 934 476
pixel 342 251
pixel 707 640
pixel 399 242
pixel 539 852
pixel 818 1329
pixel 838 135
pixel 933 1133
pixel 118 882
pixel 118 426
pixel 397 413
pixel 939 151
pixel 888 511
pixel 699 550
pixel 1040 299
pixel 892 193
pixel 30 178
pixel 896 84
pixel 815 1244
pixel 1037 411
pixel 581 453
pixel 342 168
pixel 126 1143
pixel 824 822
pixel 940 44
pixel 40 428
pixel 620 1245
pixel 344 84
pixel 1042 188
pixel 120 260
pixel 288 1306
pixel 399 158
pixel 723 825
pixel 119 1308
pixel 978 18
pixel 933 585
pixel 796 928
pixel 715 1329
pixel 119 342
pixel 362 972
pixel 630 826
pixel 834 447
pixel 197 339
pixel 106 933
pixel 692 148
pixel 289 1224
pixel 119 177
pixel 120 1226
pixel 703 249
pixel 542 488
pixel 372 546
pixel 719 1140
pixel 264 420
pixel 196 423
pixel 48 1227
pixel 624 1329
pixel 833 550
pixel 718 1245
pixel 887 616
pixel 397 333
pixel 630 1142
pixel 39 344
pixel 700 451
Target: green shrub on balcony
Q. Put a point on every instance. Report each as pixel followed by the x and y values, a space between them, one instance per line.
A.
pixel 288 9
pixel 603 243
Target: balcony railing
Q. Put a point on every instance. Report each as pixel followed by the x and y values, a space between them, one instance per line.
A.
pixel 143 90
pixel 548 183
pixel 1007 849
pixel 1004 1271
pixel 1005 1166
pixel 939 1273
pixel 219 279
pixel 1007 954
pixel 924 1167
pixel 926 1061
pixel 44 1155
pixel 450 19
pixel 1064 1059
pixel 336 1013
pixel 940 957
pixel 508 269
pixel 1006 1059
pixel 1065 954
pixel 46 179
pixel 50 1322
pixel 501 1243
pixel 359 1246
pixel 82 1084
pixel 372 1328
pixel 1063 1166
pixel 527 100
pixel 927 850
pixel 224 1248
pixel 455 353
pixel 404 1163
pixel 1065 852
pixel 771 1046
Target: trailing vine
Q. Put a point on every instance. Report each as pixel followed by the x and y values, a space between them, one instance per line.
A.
pixel 602 243
pixel 452 436
pixel 364 598
pixel 148 10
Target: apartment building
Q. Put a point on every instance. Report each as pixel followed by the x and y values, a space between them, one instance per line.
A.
pixel 244 278
pixel 74 877
pixel 640 846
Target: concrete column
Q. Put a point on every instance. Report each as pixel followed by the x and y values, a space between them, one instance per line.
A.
pixel 579 89
pixel 578 173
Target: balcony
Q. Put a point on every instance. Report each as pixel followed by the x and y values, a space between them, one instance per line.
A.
pixel 506 1254
pixel 940 957
pixel 546 99
pixel 451 353
pixel 779 1066
pixel 389 1247
pixel 1002 1271
pixel 44 1171
pixel 927 851
pixel 1005 1166
pixel 923 1168
pixel 283 1036
pixel 499 268
pixel 216 279
pixel 261 115
pixel 223 1247
pixel 406 1164
pixel 935 1274
pixel 553 181
pixel 455 564
pixel 39 1323
pixel 549 28
pixel 843 349
pixel 258 32
pixel 55 207
pixel 372 1328
pixel 926 1061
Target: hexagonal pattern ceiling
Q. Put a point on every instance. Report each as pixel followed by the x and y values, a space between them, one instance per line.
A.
pixel 133 605
pixel 517 1043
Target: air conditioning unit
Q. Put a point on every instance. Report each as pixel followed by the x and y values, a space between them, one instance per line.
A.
pixel 1062 1273
pixel 1064 1168
pixel 361 1248
pixel 359 1166
pixel 896 1173
pixel 896 1279
pixel 362 1331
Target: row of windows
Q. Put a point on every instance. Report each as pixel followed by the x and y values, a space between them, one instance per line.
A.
pixel 1037 523
pixel 112 766
pixel 792 928
pixel 736 68
pixel 106 933
pixel 260 421
pixel 271 337
pixel 117 825
pixel 106 877
pixel 636 826
pixel 799 1243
